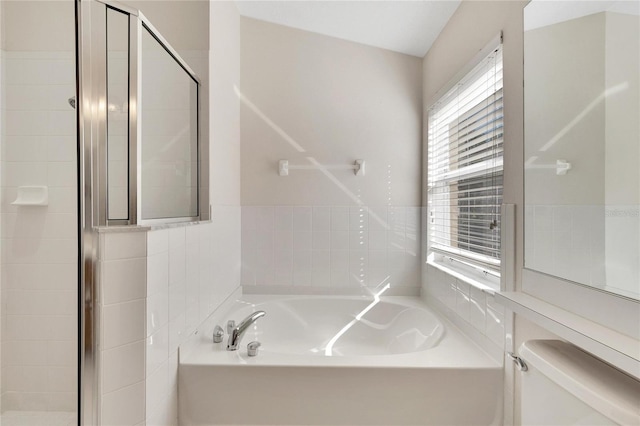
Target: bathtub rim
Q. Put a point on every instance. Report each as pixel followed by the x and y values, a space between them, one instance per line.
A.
pixel 430 323
pixel 454 351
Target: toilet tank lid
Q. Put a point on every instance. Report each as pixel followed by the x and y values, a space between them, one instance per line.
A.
pixel 604 388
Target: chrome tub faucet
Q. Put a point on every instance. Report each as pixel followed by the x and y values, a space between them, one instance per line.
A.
pixel 236 333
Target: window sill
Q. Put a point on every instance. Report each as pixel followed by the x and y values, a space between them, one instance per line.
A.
pixel 464 275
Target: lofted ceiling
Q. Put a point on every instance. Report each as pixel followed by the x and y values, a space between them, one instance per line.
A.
pixel 408 27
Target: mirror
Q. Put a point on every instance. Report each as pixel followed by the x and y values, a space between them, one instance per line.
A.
pixel 582 142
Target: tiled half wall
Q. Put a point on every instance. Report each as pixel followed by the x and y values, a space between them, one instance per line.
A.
pixel 156 288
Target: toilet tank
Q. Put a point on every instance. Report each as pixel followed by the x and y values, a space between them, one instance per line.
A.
pixel 566 386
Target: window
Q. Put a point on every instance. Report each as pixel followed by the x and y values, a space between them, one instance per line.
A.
pixel 465 140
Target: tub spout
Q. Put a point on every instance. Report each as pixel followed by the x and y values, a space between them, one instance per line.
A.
pixel 238 331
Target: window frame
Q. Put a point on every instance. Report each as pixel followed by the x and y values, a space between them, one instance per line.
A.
pixel 461 261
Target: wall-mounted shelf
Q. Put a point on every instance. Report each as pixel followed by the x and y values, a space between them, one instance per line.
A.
pixel 284 167
pixel 32 196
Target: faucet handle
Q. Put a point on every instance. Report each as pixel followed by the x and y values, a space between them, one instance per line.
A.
pixel 218 334
pixel 231 324
pixel 252 348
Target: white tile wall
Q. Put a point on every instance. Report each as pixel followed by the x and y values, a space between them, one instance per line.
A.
pixel 124 406
pixel 345 247
pixel 122 357
pixel 476 311
pixel 19 418
pixel 156 288
pixel 125 365
pixel 585 243
pixel 39 254
pixel 567 241
pixel 622 250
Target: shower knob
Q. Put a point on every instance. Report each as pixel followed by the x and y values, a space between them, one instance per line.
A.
pixel 252 348
pixel 218 334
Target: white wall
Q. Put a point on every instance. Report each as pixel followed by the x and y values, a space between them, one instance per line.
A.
pixel 310 95
pixel 185 24
pixel 224 68
pixel 311 98
pixel 39 253
pixel 224 156
pixel 38 26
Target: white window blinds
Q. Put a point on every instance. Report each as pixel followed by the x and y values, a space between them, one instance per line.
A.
pixel 465 141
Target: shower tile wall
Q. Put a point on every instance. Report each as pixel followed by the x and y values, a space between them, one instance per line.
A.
pixel 39 244
pixel 324 248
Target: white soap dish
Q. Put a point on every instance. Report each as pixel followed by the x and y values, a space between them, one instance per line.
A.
pixel 32 196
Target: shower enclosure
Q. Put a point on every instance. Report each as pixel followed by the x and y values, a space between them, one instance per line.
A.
pixel 98 128
pixel 39 226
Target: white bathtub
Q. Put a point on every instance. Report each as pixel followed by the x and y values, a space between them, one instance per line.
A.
pixel 338 361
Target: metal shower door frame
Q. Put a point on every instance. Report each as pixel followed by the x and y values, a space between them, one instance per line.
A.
pixel 91 112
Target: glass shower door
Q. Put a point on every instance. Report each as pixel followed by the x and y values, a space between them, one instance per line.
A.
pixel 39 214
